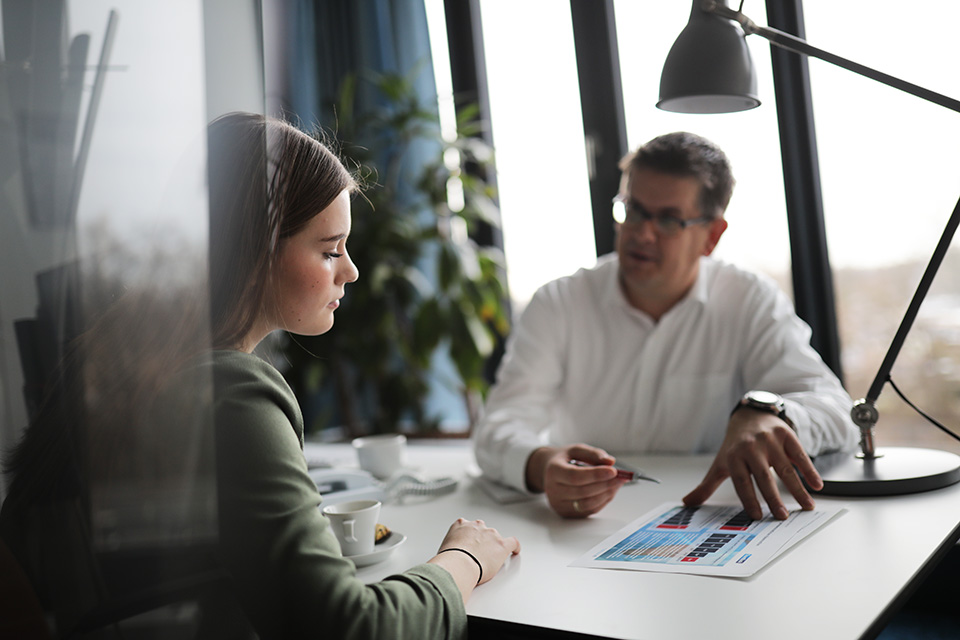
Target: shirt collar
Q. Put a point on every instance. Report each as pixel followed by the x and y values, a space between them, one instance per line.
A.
pixel 699 292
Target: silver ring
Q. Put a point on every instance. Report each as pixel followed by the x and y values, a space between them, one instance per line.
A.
pixel 576 506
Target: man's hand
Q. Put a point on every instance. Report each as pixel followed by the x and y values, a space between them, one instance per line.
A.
pixel 574 491
pixel 757 446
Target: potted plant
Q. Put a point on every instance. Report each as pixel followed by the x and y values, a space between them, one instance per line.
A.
pixel 427 292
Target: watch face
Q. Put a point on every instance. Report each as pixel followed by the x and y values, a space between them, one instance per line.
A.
pixel 764 397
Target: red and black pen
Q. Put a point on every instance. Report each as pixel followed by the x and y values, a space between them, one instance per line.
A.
pixel 628 473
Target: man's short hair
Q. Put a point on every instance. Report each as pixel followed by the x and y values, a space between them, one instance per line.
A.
pixel 687 154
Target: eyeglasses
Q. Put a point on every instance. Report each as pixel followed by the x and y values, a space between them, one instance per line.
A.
pixel 629 213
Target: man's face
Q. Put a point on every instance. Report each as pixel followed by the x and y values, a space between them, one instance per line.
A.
pixel 658 269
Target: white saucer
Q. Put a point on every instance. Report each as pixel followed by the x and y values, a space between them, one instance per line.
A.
pixel 380 552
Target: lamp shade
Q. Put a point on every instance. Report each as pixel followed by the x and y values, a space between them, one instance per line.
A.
pixel 709 68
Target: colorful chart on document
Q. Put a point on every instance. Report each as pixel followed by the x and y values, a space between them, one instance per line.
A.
pixel 706 540
pixel 689 534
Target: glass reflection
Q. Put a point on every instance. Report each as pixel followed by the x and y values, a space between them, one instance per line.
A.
pixel 110 494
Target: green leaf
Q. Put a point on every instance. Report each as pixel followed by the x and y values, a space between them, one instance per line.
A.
pixel 419 281
pixel 448 266
pixel 482 342
pixel 428 328
pixel 396 316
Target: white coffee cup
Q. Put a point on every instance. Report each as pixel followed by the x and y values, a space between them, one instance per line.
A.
pixel 355 525
pixel 381 455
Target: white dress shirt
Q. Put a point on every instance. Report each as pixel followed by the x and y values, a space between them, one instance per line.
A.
pixel 582 365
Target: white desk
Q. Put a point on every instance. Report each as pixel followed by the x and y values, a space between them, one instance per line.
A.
pixel 843 582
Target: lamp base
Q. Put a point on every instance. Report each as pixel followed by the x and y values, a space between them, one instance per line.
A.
pixel 894 471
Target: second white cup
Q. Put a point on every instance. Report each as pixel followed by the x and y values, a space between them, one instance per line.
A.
pixel 355 525
pixel 381 455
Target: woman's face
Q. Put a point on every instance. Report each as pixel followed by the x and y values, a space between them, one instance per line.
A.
pixel 312 270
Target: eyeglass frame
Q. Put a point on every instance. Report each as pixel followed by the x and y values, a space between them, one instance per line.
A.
pixel 658 221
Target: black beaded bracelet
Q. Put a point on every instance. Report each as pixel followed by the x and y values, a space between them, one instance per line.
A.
pixel 472 557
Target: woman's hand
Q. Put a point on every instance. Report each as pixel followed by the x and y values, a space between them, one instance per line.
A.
pixel 489 550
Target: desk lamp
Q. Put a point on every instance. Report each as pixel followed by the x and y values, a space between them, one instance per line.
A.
pixel 709 70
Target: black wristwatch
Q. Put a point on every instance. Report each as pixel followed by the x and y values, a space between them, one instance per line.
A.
pixel 765 401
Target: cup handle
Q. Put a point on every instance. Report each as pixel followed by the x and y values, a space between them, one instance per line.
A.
pixel 348 531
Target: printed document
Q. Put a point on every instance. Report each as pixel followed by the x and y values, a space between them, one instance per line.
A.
pixel 707 540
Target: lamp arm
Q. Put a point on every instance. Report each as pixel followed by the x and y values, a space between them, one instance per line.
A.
pixel 798 45
pixel 864 412
pixel 931 271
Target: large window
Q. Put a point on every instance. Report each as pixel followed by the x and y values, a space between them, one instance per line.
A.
pixel 887 165
pixel 541 159
pixel 890 171
pixel 538 135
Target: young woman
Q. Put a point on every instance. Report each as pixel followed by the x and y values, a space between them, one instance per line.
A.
pixel 279 261
pixel 132 411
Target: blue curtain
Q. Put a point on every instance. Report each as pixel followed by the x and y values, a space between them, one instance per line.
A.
pixel 332 39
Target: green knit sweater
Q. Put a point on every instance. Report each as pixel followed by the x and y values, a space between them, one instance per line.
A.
pixel 290 577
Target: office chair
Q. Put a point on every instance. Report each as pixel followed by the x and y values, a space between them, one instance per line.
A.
pixel 21 615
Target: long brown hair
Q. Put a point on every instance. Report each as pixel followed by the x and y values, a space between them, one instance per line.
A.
pixel 267 180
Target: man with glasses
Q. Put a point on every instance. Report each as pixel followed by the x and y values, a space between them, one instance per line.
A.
pixel 660 348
